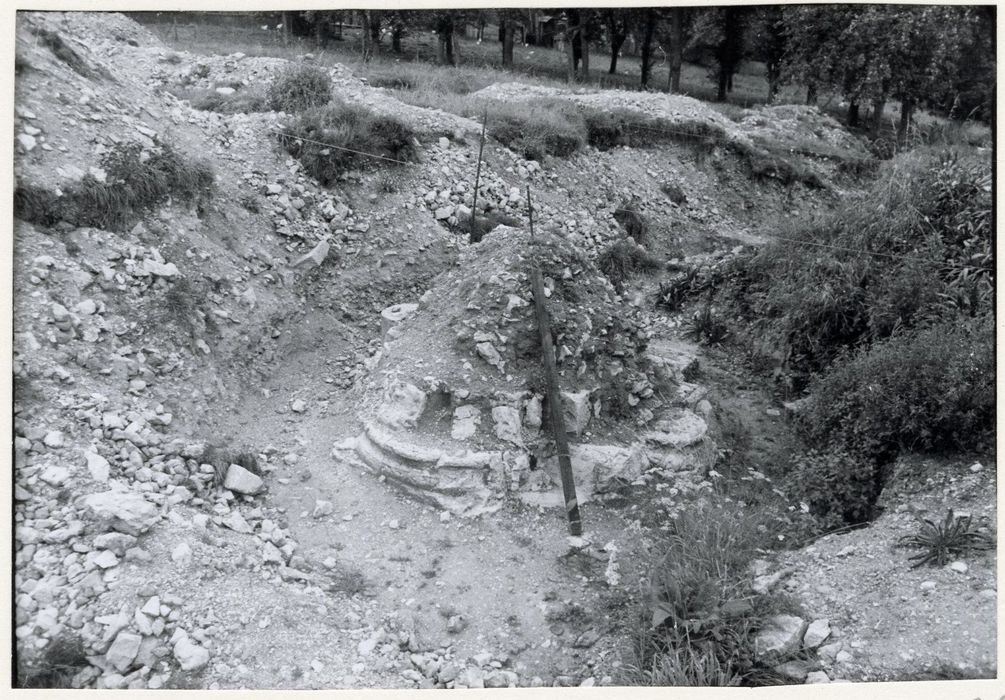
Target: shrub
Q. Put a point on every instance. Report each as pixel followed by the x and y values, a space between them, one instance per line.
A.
pixel 928 389
pixel 137 181
pixel 839 487
pixel 885 262
pixel 944 541
pixel 621 260
pixel 299 88
pixel 337 137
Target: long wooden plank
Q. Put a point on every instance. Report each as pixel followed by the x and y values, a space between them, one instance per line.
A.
pixel 554 395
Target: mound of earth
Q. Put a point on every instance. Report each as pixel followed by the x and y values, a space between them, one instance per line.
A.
pixel 458 410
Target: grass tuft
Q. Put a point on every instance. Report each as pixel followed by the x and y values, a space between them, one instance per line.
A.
pixel 338 137
pixel 623 259
pixel 63 658
pixel 137 181
pixel 299 88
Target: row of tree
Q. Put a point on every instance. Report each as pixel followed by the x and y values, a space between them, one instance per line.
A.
pixel 937 56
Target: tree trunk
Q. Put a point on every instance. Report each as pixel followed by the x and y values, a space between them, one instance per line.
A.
pixel 584 49
pixel 647 46
pixel 396 38
pixel 481 28
pixel 853 114
pixel 906 112
pixel 774 75
pixel 570 53
pixel 286 28
pixel 723 77
pixel 366 38
pixel 811 94
pixel 449 47
pixel 877 116
pixel 374 33
pixel 507 47
pixel 676 47
pixel 617 41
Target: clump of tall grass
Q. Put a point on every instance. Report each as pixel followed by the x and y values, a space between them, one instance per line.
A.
pixel 300 87
pixel 137 181
pixel 336 137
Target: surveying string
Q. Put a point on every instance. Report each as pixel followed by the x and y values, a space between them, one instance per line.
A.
pixel 340 148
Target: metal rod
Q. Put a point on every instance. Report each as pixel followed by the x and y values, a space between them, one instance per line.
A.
pixel 478 174
pixel 554 396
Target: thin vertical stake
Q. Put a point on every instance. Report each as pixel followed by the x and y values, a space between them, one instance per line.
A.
pixel 478 174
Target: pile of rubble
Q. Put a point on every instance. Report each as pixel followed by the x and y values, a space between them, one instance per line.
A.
pixel 456 413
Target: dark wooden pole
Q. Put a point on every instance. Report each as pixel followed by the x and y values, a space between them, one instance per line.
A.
pixel 478 174
pixel 554 397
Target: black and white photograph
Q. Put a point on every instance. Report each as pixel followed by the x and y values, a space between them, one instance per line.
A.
pixel 516 347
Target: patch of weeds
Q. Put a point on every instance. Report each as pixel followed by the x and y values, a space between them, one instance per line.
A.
pixel 673 293
pixel 632 221
pixel 337 137
pixel 184 680
pixel 697 625
pixel 250 203
pixel 238 102
pixel 61 50
pixel 299 88
pixel 946 540
pixel 347 581
pixel 63 658
pixel 221 459
pixel 485 224
pixel 674 192
pixel 387 184
pixel 621 260
pixel 21 64
pixel 692 371
pixel 706 327
pixel 538 128
pixel 137 181
pixel 788 170
pixel 175 58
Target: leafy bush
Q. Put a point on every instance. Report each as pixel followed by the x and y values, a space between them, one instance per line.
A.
pixel 838 486
pixel 337 137
pixel 914 249
pixel 943 541
pixel 621 260
pixel 137 180
pixel 928 389
pixel 299 88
